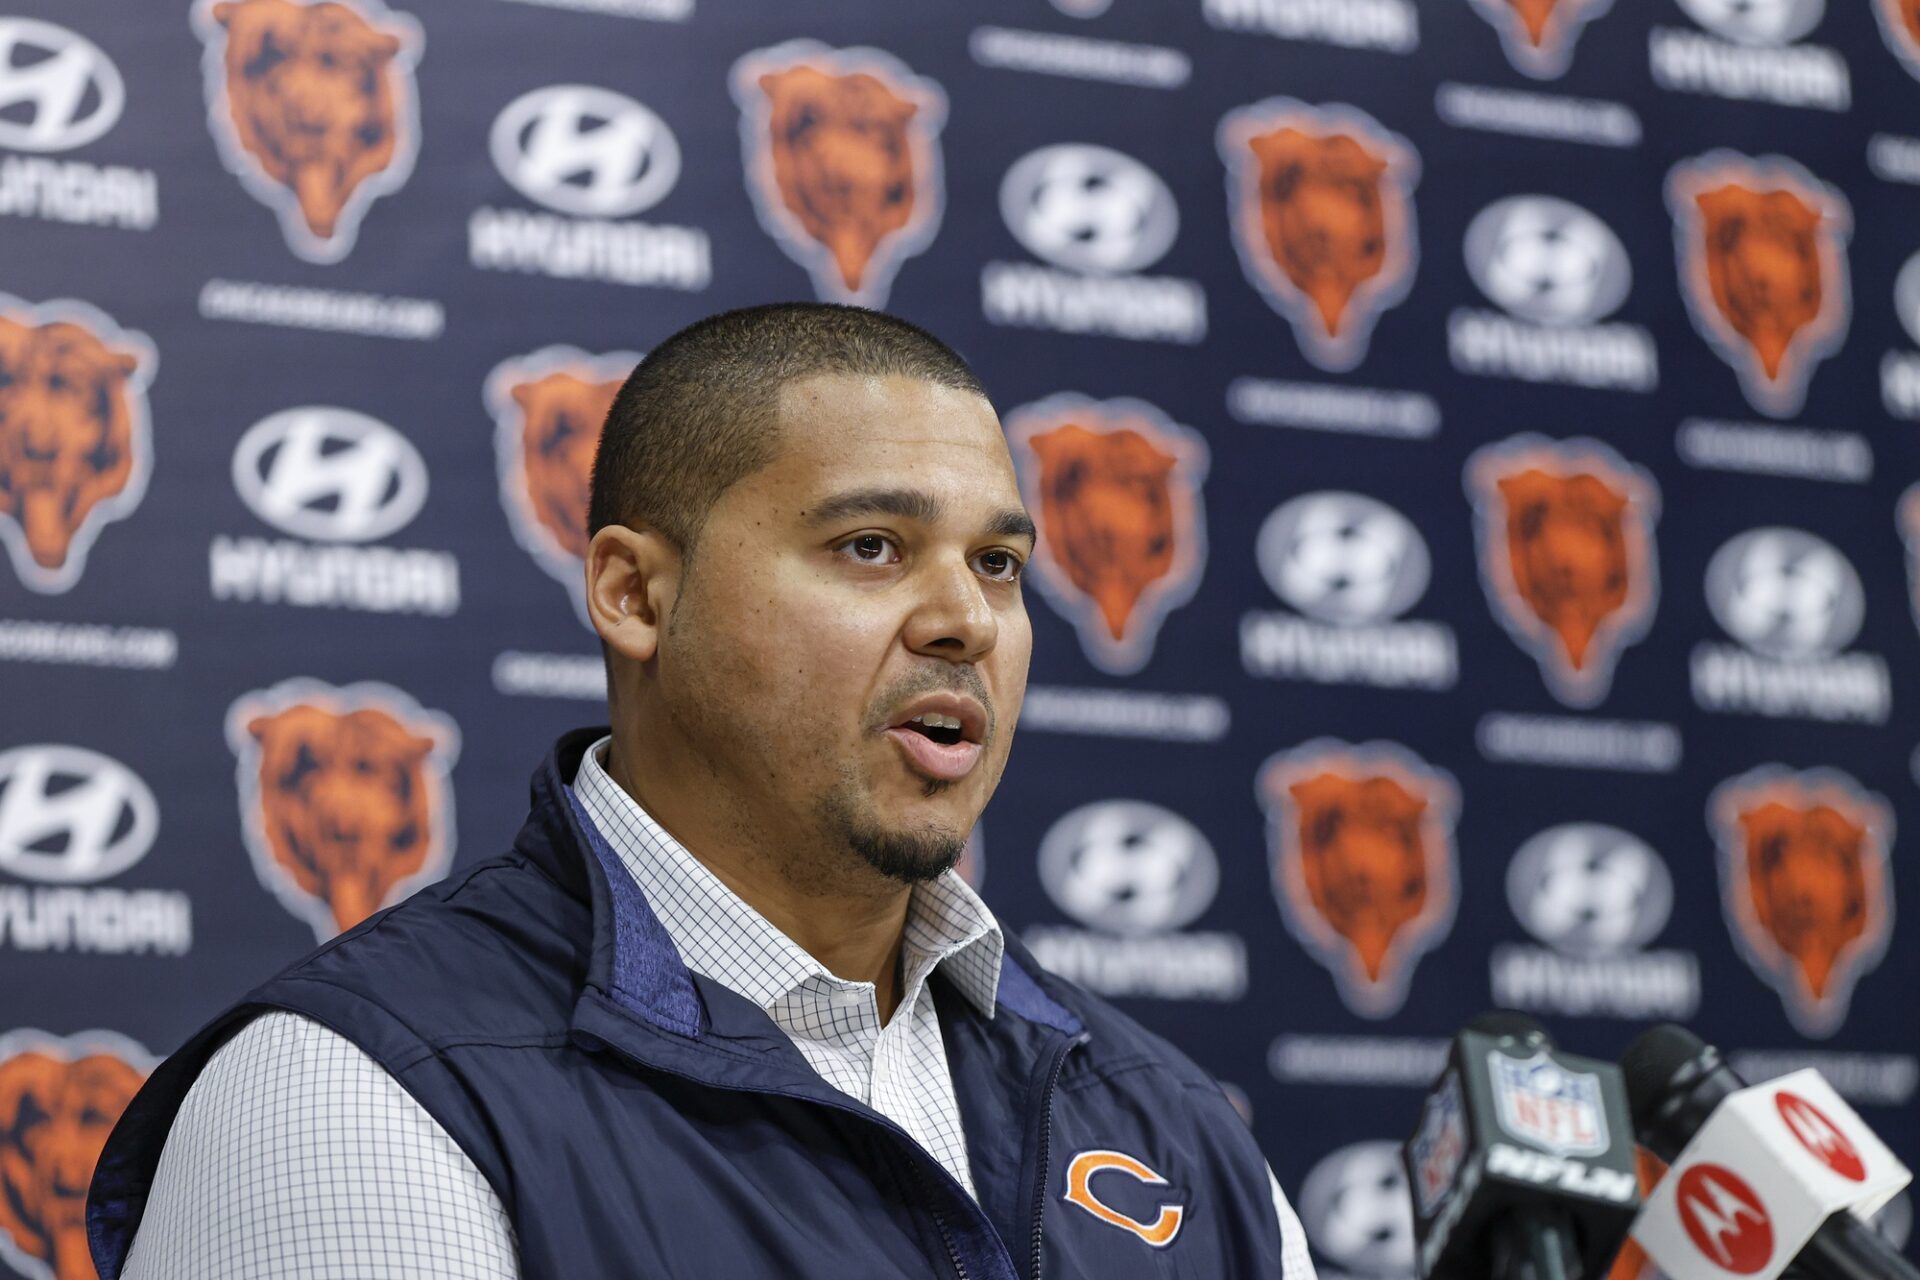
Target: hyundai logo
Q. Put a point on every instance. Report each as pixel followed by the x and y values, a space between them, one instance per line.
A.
pixel 329 474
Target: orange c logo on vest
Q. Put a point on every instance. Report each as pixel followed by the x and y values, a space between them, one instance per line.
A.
pixel 1159 1233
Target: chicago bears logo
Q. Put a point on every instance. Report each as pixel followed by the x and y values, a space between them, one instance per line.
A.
pixel 1900 26
pixel 1566 555
pixel 314 109
pixel 1538 35
pixel 75 444
pixel 1363 863
pixel 1321 203
pixel 1805 884
pixel 1114 486
pixel 1763 266
pixel 843 161
pixel 1167 1216
pixel 548 409
pixel 59 1099
pixel 345 796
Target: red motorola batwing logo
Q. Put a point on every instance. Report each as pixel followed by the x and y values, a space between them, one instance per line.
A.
pixel 1724 1218
pixel 1813 1130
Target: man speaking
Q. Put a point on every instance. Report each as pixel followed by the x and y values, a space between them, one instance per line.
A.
pixel 725 1009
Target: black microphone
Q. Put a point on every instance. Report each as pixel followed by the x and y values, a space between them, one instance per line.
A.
pixel 1522 1167
pixel 1675 1081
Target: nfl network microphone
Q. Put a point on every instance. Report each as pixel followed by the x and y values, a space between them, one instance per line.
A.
pixel 1523 1162
pixel 1762 1176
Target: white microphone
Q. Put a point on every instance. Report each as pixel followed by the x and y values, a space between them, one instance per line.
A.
pixel 1770 1175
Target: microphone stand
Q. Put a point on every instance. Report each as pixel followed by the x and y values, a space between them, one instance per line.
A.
pixel 1536 1244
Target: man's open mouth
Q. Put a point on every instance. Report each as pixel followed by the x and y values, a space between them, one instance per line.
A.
pixel 941 736
pixel 944 730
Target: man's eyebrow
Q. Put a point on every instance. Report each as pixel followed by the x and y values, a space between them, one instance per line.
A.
pixel 1013 523
pixel 911 504
pixel 908 504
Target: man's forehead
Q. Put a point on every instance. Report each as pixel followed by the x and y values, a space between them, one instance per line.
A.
pixel 885 407
pixel 840 430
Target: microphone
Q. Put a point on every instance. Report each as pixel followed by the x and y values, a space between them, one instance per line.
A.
pixel 1522 1167
pixel 1762 1177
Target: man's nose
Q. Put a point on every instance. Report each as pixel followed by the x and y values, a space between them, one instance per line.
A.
pixel 953 618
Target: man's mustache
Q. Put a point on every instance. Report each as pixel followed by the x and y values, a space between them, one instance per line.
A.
pixel 945 678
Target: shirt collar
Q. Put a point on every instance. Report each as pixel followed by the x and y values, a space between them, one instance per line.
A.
pixel 718 934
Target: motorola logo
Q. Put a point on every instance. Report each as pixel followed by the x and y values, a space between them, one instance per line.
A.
pixel 1547 260
pixel 1089 209
pixel 1128 868
pixel 329 475
pixel 72 816
pixel 1723 1216
pixel 1785 594
pixel 585 151
pixel 1343 558
pixel 1357 1213
pixel 58 91
pixel 1757 22
pixel 1586 889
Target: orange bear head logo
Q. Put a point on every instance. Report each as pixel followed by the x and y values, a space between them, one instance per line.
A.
pixel 314 107
pixel 1566 555
pixel 1321 201
pixel 1806 885
pixel 843 161
pixel 1762 248
pixel 75 444
pixel 1900 26
pixel 548 409
pixel 59 1099
pixel 345 796
pixel 1363 861
pixel 1538 35
pixel 1114 486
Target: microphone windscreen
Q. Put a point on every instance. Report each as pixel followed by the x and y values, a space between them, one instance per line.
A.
pixel 1650 1065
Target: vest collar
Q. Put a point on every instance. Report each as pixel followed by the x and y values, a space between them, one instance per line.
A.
pixel 634 965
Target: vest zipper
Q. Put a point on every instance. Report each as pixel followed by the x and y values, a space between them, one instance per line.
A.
pixel 939 1220
pixel 1046 1131
pixel 911 1149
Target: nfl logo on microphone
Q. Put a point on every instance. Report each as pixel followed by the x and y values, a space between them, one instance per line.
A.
pixel 1541 1102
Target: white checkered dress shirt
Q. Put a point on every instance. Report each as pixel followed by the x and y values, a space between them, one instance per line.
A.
pixel 900 1069
pixel 296 1155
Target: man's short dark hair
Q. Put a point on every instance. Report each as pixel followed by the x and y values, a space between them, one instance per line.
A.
pixel 699 413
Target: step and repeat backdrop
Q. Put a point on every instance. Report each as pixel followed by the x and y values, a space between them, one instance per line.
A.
pixel 1475 444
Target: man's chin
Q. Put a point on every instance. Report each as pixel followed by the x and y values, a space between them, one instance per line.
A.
pixel 909 827
pixel 911 856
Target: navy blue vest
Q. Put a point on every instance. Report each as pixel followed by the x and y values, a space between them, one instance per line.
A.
pixel 637 1119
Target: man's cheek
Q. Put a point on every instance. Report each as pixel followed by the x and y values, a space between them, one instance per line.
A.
pixel 831 650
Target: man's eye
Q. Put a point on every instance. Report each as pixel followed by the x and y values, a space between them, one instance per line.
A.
pixel 1003 566
pixel 868 548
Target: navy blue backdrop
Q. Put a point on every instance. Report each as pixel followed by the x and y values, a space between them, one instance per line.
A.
pixel 1471 441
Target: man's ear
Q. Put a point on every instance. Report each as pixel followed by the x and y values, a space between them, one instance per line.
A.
pixel 633 578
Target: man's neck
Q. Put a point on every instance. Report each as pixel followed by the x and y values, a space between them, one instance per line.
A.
pixel 856 936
